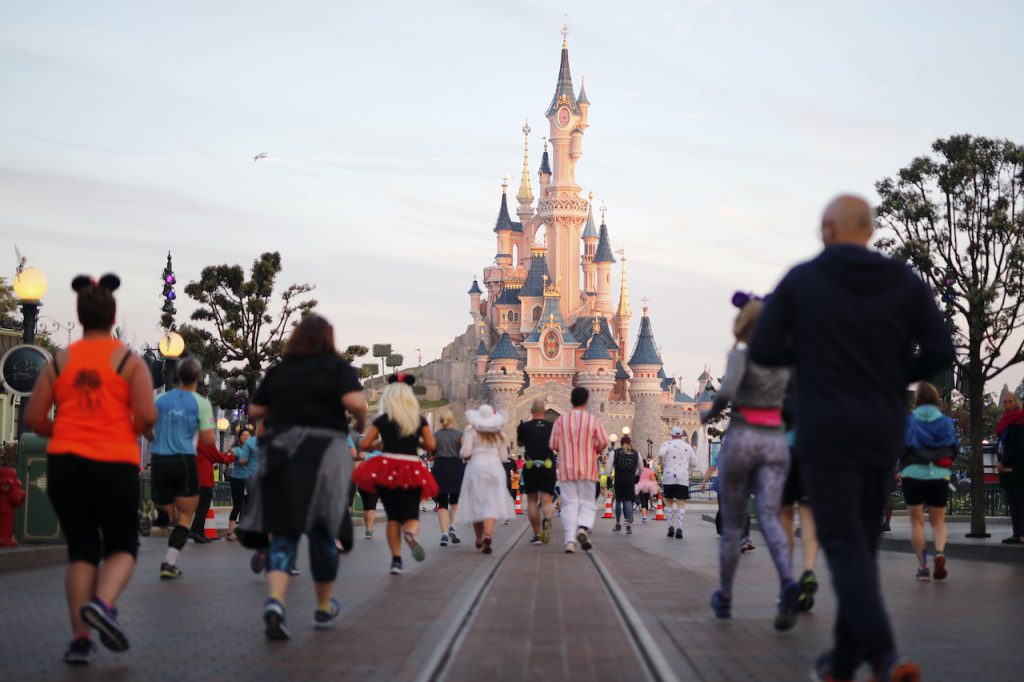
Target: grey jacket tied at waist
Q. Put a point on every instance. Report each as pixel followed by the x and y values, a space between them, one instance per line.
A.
pixel 748 384
pixel 302 482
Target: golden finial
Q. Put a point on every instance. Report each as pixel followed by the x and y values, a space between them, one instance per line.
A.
pixel 526 127
pixel 597 321
pixel 565 32
pixel 545 141
pixel 525 195
pixel 603 209
pixel 504 183
pixel 646 306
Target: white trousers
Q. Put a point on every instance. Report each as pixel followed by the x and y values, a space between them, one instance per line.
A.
pixel 578 506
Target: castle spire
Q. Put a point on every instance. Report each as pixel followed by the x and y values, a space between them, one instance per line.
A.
pixel 590 232
pixel 525 195
pixel 564 93
pixel 646 351
pixel 504 222
pixel 624 310
pixel 545 164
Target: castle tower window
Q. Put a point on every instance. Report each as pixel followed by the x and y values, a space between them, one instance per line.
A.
pixel 536 313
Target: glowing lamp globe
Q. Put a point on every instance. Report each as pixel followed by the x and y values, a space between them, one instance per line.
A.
pixel 172 345
pixel 613 437
pixel 223 424
pixel 625 430
pixel 30 285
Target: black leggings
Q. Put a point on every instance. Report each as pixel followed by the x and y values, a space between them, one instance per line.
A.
pixel 443 500
pixel 238 497
pixel 97 504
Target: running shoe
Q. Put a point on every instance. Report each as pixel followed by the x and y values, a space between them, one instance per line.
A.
pixel 886 528
pixel 746 546
pixel 104 620
pixel 368 535
pixel 418 553
pixel 200 539
pixel 923 575
pixel 679 533
pixel 258 561
pixel 487 545
pixel 643 519
pixel 535 540
pixel 898 669
pixel 454 536
pixel 671 532
pixel 809 587
pixel 583 537
pixel 721 605
pixel 80 651
pixel 821 669
pixel 273 619
pixel 570 547
pixel 169 571
pixel 617 528
pixel 323 620
pixel 293 572
pixel 506 522
pixel 396 565
pixel 940 567
pixel 789 606
pixel 545 531
pixel 629 529
pixel 444 540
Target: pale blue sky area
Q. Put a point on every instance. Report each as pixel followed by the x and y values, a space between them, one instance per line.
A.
pixel 719 129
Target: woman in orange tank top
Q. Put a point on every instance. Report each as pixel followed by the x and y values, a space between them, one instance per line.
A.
pixel 104 399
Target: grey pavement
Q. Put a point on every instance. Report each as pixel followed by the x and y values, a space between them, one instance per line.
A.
pixel 543 617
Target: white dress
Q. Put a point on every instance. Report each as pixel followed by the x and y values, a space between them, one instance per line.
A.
pixel 484 494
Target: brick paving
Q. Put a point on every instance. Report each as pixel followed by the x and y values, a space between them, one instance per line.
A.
pixel 545 616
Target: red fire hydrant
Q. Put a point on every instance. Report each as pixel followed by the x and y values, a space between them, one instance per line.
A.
pixel 12 496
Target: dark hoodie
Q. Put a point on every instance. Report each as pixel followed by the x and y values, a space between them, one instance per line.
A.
pixel 848 322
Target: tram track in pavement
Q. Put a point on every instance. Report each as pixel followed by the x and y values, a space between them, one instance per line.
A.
pixel 651 664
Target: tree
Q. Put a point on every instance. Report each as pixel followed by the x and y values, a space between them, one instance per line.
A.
pixel 8 304
pixel 382 351
pixel 958 218
pixel 367 370
pixel 353 352
pixel 395 360
pixel 239 336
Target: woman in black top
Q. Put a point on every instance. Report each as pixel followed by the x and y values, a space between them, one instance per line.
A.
pixel 398 475
pixel 448 470
pixel 302 484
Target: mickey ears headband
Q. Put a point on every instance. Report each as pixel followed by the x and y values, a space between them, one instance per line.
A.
pixel 110 282
pixel 403 377
pixel 742 298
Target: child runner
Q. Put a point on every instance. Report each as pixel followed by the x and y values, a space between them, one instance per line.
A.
pixel 647 487
pixel 483 486
pixel 398 475
pixel 753 456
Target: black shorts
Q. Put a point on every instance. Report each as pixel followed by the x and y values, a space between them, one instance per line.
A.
pixel 539 480
pixel 400 505
pixel 793 491
pixel 174 476
pixel 369 500
pixel 677 491
pixel 443 500
pixel 97 504
pixel 929 493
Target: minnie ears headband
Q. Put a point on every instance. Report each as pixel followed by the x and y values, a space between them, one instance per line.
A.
pixel 742 298
pixel 404 378
pixel 110 282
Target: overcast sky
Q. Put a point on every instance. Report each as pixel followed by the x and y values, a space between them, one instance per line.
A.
pixel 719 130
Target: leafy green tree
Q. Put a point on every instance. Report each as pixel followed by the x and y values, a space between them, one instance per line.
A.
pixel 367 370
pixel 353 352
pixel 239 335
pixel 958 218
pixel 382 351
pixel 395 360
pixel 8 304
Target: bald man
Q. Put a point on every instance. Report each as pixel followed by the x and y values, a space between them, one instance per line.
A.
pixel 857 327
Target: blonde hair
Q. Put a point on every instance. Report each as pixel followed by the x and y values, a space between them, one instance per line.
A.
pixel 490 437
pixel 743 327
pixel 399 404
pixel 446 419
pixel 1011 394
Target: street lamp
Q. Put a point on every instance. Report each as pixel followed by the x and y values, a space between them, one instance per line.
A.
pixel 29 288
pixel 171 347
pixel 650 448
pixel 612 439
pixel 223 425
pixel 625 430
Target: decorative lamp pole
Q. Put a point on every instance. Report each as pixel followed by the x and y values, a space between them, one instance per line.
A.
pixel 223 425
pixel 612 439
pixel 29 288
pixel 171 345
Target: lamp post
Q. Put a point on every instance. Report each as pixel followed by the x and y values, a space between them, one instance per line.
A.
pixel 223 425
pixel 650 448
pixel 171 347
pixel 29 288
pixel 612 439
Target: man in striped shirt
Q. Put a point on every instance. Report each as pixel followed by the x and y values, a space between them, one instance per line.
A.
pixel 578 437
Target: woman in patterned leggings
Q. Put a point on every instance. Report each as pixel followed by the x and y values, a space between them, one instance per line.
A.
pixel 754 456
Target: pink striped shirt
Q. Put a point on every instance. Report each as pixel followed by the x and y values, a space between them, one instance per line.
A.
pixel 577 437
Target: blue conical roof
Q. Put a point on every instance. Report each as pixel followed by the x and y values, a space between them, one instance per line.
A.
pixel 475 289
pixel 504 350
pixel 509 296
pixel 534 284
pixel 504 222
pixel 583 328
pixel 620 371
pixel 597 350
pixel 563 90
pixel 548 316
pixel 590 232
pixel 646 351
pixel 604 247
pixel 481 349
pixel 582 98
pixel 545 164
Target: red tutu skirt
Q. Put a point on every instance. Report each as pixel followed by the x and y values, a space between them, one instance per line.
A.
pixel 402 472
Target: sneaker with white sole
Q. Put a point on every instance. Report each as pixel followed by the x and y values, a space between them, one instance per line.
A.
pixel 418 553
pixel 570 547
pixel 104 621
pixel 323 620
pixel 80 651
pixel 583 537
pixel 274 621
pixel 444 540
pixel 454 536
pixel 396 566
pixel 545 531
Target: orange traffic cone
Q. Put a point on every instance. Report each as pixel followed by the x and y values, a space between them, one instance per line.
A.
pixel 608 507
pixel 209 530
pixel 660 516
pixel 519 503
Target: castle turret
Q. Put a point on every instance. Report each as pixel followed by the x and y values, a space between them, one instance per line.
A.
pixel 551 347
pixel 599 377
pixel 474 301
pixel 623 314
pixel 544 174
pixel 645 387
pixel 531 295
pixel 481 356
pixel 503 228
pixel 589 251
pixel 504 378
pixel 584 105
pixel 603 260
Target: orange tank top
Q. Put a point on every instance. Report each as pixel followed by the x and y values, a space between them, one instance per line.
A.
pixel 94 412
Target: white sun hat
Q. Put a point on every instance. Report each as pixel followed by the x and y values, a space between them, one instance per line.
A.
pixel 486 419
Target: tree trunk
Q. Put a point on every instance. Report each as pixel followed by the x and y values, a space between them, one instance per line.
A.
pixel 976 397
